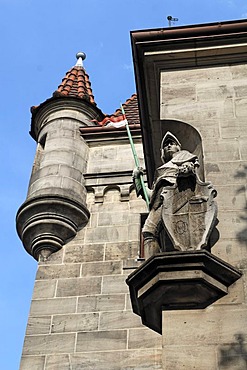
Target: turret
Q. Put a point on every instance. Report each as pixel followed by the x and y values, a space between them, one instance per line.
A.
pixel 55 208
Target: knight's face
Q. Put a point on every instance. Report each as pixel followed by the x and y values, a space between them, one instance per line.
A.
pixel 170 148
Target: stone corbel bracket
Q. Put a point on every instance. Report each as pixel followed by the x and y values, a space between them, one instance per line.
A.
pixel 178 281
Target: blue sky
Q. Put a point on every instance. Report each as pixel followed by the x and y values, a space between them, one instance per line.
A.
pixel 39 40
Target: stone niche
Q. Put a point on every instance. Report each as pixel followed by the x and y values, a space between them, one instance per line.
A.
pixel 178 281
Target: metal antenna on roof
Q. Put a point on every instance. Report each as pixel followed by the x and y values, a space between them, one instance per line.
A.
pixel 171 19
pixel 80 57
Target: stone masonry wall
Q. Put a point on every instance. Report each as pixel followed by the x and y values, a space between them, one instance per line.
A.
pixel 80 316
pixel 213 100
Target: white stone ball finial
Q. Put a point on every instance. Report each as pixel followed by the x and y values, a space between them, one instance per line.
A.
pixel 80 56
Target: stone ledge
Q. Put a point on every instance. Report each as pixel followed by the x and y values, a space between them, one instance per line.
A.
pixel 178 281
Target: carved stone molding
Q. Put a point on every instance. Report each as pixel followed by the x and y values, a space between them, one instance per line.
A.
pixel 46 223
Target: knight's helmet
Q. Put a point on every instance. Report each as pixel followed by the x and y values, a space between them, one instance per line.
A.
pixel 168 137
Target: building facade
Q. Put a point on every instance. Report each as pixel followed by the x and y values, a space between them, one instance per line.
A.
pixel 82 220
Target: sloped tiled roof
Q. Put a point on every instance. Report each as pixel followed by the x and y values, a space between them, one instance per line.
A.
pixel 76 84
pixel 131 110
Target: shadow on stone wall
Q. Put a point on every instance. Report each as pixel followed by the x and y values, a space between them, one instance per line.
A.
pixel 234 355
pixel 242 235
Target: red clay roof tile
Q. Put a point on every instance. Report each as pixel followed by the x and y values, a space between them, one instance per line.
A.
pixel 76 83
pixel 131 110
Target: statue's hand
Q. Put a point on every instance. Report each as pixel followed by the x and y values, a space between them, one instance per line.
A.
pixel 186 169
pixel 137 172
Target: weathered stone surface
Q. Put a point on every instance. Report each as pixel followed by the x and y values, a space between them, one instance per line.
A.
pixel 121 251
pixel 45 344
pixel 84 253
pixel 108 234
pixel 102 268
pixel 118 360
pixel 211 326
pixel 79 286
pixel 144 338
pixel 58 271
pixel 114 284
pixel 55 362
pixel 235 200
pixel 101 341
pixel 189 357
pixel 38 325
pixel 111 302
pixel 74 323
pixel 232 225
pixel 221 150
pixel 119 320
pixel 225 170
pixel 44 289
pixel 53 306
pixel 32 362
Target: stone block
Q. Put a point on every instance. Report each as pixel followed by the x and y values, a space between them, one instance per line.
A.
pixel 53 306
pixel 55 362
pixel 74 323
pixel 189 357
pixel 48 182
pixel 118 360
pixel 213 92
pixel 119 320
pixel 233 128
pixel 176 95
pixel 221 150
pixel 232 225
pixel 241 90
pixel 231 251
pixel 62 156
pixel 114 284
pixel 191 327
pixel 114 302
pixel 32 362
pixel 207 327
pixel 196 112
pixel 113 218
pixel 109 207
pixel 240 107
pixel 235 200
pixel 144 338
pixel 243 151
pixel 108 234
pixel 44 289
pixel 79 286
pixel 101 341
pixel 229 171
pixel 101 268
pixel 197 76
pixel 122 251
pixel 84 253
pixel 58 271
pixel 46 344
pixel 38 325
pixel 134 232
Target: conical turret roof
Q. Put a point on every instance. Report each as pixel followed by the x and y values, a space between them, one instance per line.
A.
pixel 76 82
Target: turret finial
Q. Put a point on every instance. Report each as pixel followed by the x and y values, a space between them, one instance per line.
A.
pixel 80 57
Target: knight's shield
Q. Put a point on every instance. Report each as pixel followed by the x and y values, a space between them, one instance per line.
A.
pixel 189 213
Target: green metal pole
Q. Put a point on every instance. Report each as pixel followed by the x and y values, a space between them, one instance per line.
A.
pixel 136 159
